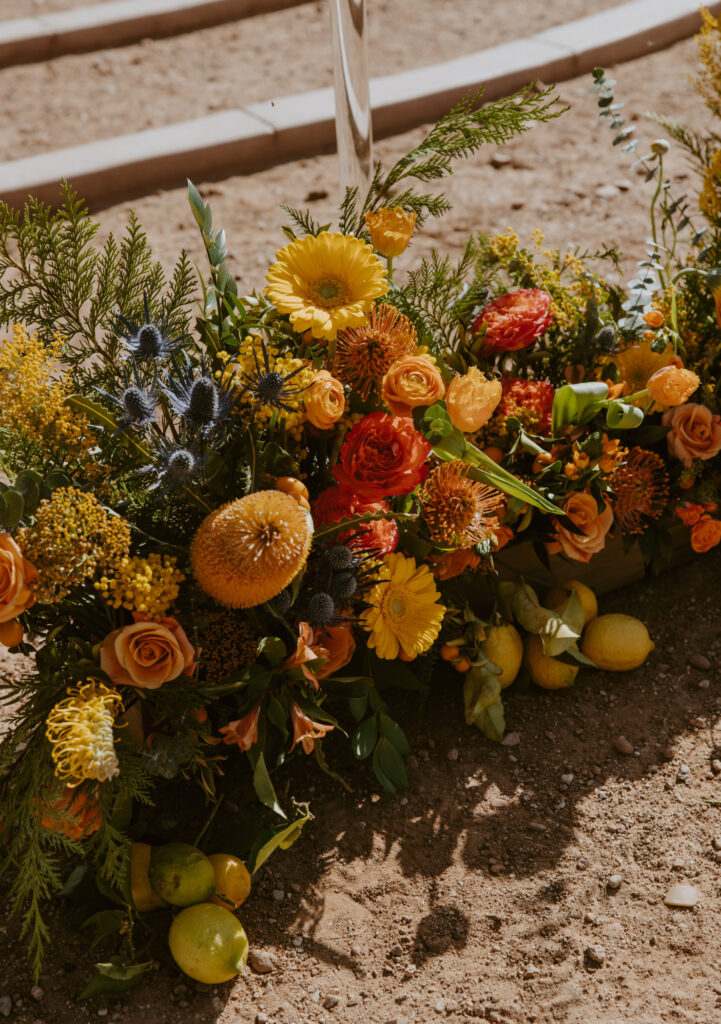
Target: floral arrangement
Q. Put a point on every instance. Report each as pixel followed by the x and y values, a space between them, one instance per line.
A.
pixel 225 538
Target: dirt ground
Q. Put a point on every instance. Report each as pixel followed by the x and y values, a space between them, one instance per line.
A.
pixel 477 893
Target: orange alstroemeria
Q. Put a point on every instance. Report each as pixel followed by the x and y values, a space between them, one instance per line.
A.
pixel 244 731
pixel 304 653
pixel 305 730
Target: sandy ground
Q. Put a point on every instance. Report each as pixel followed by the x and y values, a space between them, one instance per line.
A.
pixel 478 893
pixel 155 82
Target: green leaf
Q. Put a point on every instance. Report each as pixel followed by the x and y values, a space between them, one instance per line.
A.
pixel 105 923
pixel 451 447
pixel 196 204
pixel 278 837
pixel 28 483
pixel 620 416
pixel 390 762
pixel 358 706
pixel 365 738
pixel 13 507
pixel 492 721
pixel 573 403
pixel 115 977
pixel 392 731
pixel 487 472
pixel 262 784
pixel 98 414
pixel 54 479
pixel 273 648
pixel 481 688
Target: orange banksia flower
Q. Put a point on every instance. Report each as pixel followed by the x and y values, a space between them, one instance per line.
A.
pixel 365 354
pixel 641 491
pixel 249 550
pixel 390 229
pixel 459 512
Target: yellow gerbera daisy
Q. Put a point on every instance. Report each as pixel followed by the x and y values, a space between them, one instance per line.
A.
pixel 326 282
pixel 636 363
pixel 405 615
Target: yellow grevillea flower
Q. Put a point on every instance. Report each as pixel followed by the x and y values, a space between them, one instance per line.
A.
pixel 406 615
pixel 148 585
pixel 326 282
pixel 249 550
pixel 80 729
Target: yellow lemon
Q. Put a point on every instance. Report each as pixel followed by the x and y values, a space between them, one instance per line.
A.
pixel 557 597
pixel 232 880
pixel 144 897
pixel 617 642
pixel 208 943
pixel 550 673
pixel 181 874
pixel 503 645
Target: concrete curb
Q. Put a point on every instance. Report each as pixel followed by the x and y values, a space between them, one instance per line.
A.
pixel 117 23
pixel 264 134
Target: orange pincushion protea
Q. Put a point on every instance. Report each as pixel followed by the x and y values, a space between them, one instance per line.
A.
pixel 459 512
pixel 364 354
pixel 249 550
pixel 641 490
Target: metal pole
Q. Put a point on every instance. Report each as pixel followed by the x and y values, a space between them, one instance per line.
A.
pixel 353 128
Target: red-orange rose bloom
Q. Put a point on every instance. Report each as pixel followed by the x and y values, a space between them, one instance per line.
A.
pixel 334 504
pixel 514 320
pixel 705 534
pixel 382 456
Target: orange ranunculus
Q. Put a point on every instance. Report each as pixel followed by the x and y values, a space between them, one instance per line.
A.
pixel 147 653
pixel 689 514
pixel 582 511
pixel 324 400
pixel 410 382
pixel 244 731
pixel 471 400
pixel 336 644
pixel 514 320
pixel 453 563
pixel 502 535
pixel 672 385
pixel 382 456
pixel 17 576
pixel 11 633
pixel 305 730
pixel 390 229
pixel 654 318
pixel 72 812
pixel 695 432
pixel 705 534
pixel 304 653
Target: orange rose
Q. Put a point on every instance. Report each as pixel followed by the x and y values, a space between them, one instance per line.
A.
pixel 695 432
pixel 672 385
pixel 689 514
pixel 381 456
pixel 453 563
pixel 411 382
pixel 305 730
pixel 582 511
pixel 336 644
pixel 244 731
pixel 390 229
pixel 147 653
pixel 471 400
pixel 705 534
pixel 17 576
pixel 324 400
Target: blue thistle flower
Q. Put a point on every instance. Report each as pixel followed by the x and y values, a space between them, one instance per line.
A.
pixel 175 467
pixel 149 340
pixel 270 387
pixel 136 403
pixel 199 400
pixel 321 610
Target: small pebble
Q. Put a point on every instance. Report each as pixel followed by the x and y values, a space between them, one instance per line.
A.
pixel 596 955
pixel 699 661
pixel 623 746
pixel 614 882
pixel 716 842
pixel 330 1002
pixel 452 754
pixel 716 765
pixel 500 159
pixel 703 684
pixel 682 896
pixel 298 941
pixel 683 773
pixel 262 961
pixel 262 1018
pixel 36 993
pixel 607 192
pixel 6 1006
pixel 512 739
pixel 497 869
pixel 567 779
pixel 278 895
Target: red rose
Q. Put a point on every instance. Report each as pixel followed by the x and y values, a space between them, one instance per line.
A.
pixel 514 320
pixel 335 504
pixel 381 456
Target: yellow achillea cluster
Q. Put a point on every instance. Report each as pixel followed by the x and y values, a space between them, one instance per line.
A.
pixel 708 43
pixel 709 200
pixel 147 585
pixel 80 730
pixel 32 403
pixel 250 350
pixel 72 538
pixel 545 268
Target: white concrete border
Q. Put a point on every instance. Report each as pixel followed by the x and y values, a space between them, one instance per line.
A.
pixel 117 22
pixel 245 140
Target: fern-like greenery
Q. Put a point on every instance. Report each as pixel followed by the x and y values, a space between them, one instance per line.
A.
pixel 55 280
pixel 457 135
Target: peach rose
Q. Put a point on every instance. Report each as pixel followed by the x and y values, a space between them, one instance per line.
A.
pixel 390 229
pixel 695 432
pixel 147 653
pixel 336 644
pixel 582 511
pixel 411 382
pixel 705 534
pixel 324 400
pixel 471 400
pixel 672 385
pixel 17 576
